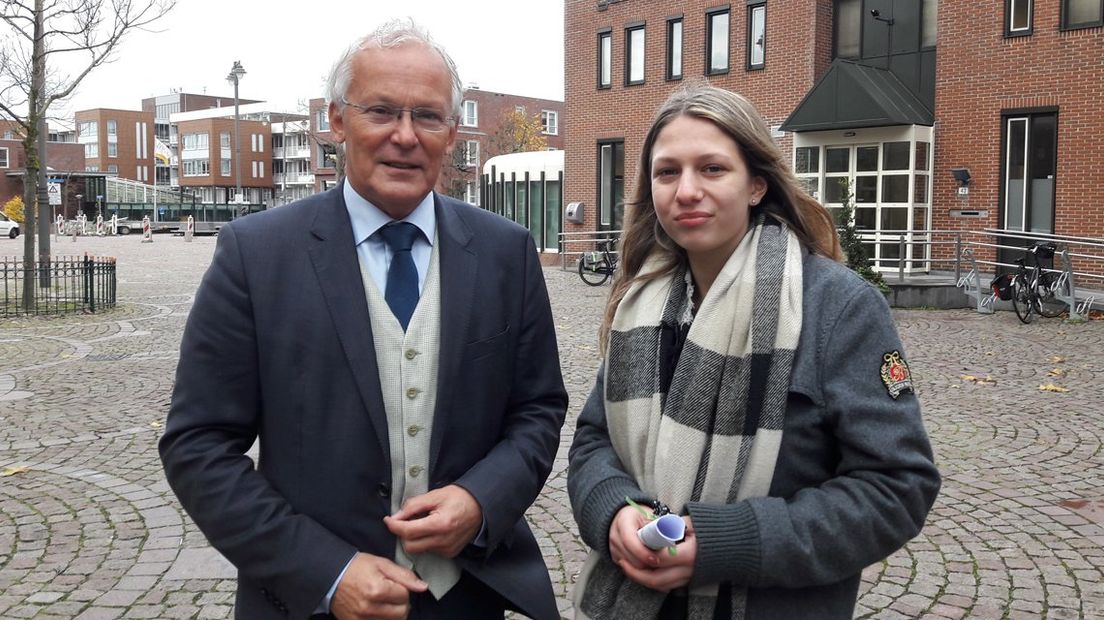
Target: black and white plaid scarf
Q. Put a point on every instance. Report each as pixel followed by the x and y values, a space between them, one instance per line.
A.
pixel 713 436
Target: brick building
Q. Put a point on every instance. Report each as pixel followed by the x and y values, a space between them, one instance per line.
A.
pixel 852 90
pixel 117 142
pixel 64 160
pixel 208 166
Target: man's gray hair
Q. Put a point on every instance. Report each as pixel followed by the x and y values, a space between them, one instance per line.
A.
pixel 390 34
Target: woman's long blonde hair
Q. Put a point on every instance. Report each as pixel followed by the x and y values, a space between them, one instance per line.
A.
pixel 785 200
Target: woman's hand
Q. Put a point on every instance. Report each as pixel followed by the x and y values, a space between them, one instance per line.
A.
pixel 658 570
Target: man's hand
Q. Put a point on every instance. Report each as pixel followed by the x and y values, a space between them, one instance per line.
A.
pixel 374 588
pixel 443 521
pixel 657 570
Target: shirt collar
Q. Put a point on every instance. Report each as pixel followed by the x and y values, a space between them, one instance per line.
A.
pixel 367 218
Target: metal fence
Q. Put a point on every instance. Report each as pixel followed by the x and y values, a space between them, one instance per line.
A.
pixel 66 284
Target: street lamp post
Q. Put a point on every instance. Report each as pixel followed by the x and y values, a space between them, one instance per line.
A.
pixel 235 76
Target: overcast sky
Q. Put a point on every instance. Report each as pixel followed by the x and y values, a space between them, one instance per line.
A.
pixel 512 46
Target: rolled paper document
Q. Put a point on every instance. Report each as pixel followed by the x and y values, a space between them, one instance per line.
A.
pixel 666 531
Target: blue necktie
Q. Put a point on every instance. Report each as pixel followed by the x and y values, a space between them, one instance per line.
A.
pixel 402 276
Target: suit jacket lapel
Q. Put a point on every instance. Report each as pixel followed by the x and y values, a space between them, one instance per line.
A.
pixel 335 262
pixel 458 264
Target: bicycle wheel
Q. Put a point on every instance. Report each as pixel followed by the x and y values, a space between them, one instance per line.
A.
pixel 589 272
pixel 1048 290
pixel 1023 302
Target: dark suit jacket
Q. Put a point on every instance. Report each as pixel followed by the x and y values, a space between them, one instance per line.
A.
pixel 278 345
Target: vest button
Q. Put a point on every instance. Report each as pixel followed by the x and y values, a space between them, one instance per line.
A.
pixel 415 471
pixel 384 489
pixel 411 354
pixel 413 430
pixel 412 393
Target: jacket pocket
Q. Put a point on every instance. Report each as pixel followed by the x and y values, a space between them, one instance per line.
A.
pixel 488 346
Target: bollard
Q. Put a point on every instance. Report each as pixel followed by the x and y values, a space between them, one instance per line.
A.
pixel 189 229
pixel 147 233
pixel 59 226
pixel 115 224
pixel 99 226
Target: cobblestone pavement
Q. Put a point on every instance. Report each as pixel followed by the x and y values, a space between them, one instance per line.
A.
pixel 90 530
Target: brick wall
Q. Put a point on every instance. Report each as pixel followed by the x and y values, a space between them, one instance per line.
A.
pixel 798 51
pixel 127 160
pixel 979 73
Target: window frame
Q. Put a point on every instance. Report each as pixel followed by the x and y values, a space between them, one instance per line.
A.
pixel 676 20
pixel 710 15
pixel 555 124
pixel 464 113
pixel 631 30
pixel 752 7
pixel 1027 31
pixel 469 161
pixel 1064 19
pixel 605 58
pixel 5 161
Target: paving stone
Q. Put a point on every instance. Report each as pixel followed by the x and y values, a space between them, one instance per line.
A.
pixel 94 523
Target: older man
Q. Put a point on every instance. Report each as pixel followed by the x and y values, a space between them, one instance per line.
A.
pixel 394 352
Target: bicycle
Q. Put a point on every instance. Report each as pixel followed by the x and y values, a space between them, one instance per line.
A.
pixel 1034 290
pixel 597 267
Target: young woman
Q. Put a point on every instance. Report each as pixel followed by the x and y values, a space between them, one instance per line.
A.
pixel 751 384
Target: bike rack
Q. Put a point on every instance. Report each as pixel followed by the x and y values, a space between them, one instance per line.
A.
pixel 970 283
pixel 1078 312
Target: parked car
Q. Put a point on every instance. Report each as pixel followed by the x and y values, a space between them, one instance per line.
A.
pixel 8 228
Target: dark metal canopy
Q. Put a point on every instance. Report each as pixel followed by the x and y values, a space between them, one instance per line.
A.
pixel 853 96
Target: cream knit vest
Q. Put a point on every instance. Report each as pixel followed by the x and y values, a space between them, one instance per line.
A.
pixel 408 380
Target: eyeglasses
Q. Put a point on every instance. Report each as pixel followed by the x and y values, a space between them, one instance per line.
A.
pixel 423 119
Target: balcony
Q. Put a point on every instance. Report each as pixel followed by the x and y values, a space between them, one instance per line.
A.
pixel 292 179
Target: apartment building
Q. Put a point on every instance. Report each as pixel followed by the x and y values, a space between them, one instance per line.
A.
pixel 64 161
pixel 324 149
pixel 215 161
pixel 117 142
pixel 486 119
pixel 853 90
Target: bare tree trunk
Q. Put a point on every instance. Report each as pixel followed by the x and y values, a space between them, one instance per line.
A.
pixel 31 191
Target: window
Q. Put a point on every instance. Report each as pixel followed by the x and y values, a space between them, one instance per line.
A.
pixel 113 169
pixel 112 149
pixel 1030 167
pixel 88 129
pixel 550 122
pixel 471 153
pixel 520 109
pixel 91 168
pixel 674 48
pixel 327 156
pixel 1082 13
pixel 254 169
pixel 471 192
pixel 929 23
pixel 3 157
pixel 322 119
pixel 195 141
pixel 757 33
pixel 848 28
pixel 611 185
pixel 224 166
pixel 1017 17
pixel 634 55
pixel 807 169
pixel 716 42
pixel 224 139
pixel 605 59
pixel 471 114
pixel 112 130
pixel 260 143
pixel 260 169
pixel 197 167
pixel 91 150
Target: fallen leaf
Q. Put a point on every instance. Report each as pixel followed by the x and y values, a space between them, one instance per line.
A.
pixel 986 380
pixel 155 424
pixel 1050 387
pixel 11 471
pixel 1057 359
pixel 1057 372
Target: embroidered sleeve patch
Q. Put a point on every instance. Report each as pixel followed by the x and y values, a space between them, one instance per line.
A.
pixel 895 374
